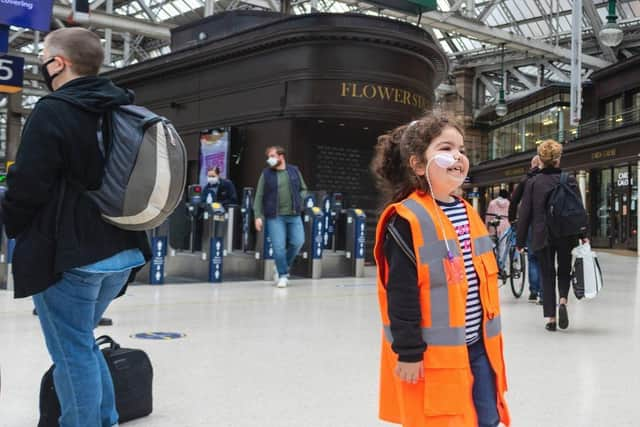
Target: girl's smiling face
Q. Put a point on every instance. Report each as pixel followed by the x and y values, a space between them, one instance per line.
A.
pixel 445 180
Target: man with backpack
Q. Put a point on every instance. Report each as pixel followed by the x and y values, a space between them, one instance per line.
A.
pixel 67 256
pixel 552 206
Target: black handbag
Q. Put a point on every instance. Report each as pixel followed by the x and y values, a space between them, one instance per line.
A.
pixel 132 376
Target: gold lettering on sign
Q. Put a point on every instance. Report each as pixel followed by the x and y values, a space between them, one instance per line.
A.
pixel 603 154
pixel 514 172
pixel 382 93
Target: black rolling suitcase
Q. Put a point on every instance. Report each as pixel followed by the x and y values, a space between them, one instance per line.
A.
pixel 132 377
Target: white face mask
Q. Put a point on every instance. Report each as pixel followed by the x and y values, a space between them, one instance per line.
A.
pixel 213 180
pixel 272 161
pixel 444 160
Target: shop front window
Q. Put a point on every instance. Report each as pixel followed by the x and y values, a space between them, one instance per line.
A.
pixel 613 113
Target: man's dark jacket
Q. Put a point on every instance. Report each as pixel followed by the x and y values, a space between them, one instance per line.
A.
pixel 225 194
pixel 516 196
pixel 59 154
pixel 532 211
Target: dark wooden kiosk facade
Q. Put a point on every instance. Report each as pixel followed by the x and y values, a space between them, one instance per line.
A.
pixel 323 86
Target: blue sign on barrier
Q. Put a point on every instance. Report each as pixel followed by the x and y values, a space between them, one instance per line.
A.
pixel 159 246
pixel 11 73
pixel 360 234
pixel 156 271
pixel 317 238
pixel 4 39
pixel 268 248
pixel 156 268
pixel 215 260
pixel 35 14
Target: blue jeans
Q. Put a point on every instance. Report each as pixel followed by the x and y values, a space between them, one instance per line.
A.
pixel 287 237
pixel 534 269
pixel 484 386
pixel 68 312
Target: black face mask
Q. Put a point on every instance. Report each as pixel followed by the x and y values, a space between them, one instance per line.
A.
pixel 48 79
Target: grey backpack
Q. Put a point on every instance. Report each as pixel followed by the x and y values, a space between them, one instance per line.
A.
pixel 145 168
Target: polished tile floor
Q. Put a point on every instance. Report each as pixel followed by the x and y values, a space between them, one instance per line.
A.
pixel 307 356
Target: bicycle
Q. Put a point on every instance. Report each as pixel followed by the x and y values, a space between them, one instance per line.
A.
pixel 517 260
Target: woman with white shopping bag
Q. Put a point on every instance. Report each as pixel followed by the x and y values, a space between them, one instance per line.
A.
pixel 548 239
pixel 587 276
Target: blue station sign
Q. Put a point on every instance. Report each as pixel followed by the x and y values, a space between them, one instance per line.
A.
pixel 35 14
pixel 11 73
pixel 4 39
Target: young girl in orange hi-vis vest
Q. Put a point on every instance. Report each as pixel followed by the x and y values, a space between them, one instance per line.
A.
pixel 442 363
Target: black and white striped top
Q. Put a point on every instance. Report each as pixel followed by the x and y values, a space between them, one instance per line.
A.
pixel 457 214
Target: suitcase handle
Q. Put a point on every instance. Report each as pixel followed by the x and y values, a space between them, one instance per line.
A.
pixel 106 339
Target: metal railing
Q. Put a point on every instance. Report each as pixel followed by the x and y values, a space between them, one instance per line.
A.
pixel 608 123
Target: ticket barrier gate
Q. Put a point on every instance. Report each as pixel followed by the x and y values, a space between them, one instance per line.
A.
pixel 264 255
pixel 247 234
pixel 331 205
pixel 309 261
pixel 214 220
pixel 346 258
pixel 236 232
pixel 202 261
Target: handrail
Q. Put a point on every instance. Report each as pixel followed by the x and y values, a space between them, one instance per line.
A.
pixel 608 123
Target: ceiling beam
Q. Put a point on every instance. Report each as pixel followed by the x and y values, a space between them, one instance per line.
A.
pixel 558 72
pixel 483 33
pixel 522 78
pixel 488 84
pixel 488 9
pixel 118 23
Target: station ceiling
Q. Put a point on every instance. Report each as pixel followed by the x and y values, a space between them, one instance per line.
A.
pixel 536 34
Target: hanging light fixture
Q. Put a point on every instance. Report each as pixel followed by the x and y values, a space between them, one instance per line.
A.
pixel 611 34
pixel 501 106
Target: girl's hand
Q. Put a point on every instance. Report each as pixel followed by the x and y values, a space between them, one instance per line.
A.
pixel 410 372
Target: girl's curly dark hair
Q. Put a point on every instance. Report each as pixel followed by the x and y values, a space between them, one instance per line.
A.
pixel 390 165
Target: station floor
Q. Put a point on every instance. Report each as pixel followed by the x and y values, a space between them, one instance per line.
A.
pixel 307 356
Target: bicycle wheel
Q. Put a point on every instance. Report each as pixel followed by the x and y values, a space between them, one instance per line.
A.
pixel 517 274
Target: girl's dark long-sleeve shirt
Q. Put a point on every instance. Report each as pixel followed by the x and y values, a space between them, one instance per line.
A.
pixel 403 296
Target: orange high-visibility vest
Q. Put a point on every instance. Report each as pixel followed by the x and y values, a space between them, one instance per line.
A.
pixel 444 397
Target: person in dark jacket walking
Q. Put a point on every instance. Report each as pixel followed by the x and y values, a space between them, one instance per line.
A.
pixel 219 190
pixel 71 261
pixel 535 290
pixel 279 195
pixel 532 213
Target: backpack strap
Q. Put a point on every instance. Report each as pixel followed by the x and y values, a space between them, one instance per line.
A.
pixel 395 234
pixel 564 178
pixel 103 134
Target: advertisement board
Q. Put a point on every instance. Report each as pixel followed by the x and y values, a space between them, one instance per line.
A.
pixel 35 14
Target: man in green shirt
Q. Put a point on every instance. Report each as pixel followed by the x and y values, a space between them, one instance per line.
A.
pixel 278 202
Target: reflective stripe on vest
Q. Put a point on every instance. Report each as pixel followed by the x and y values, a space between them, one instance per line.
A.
pixel 433 251
pixel 482 245
pixel 493 327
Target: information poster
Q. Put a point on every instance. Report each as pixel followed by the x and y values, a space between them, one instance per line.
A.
pixel 214 152
pixel 35 14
